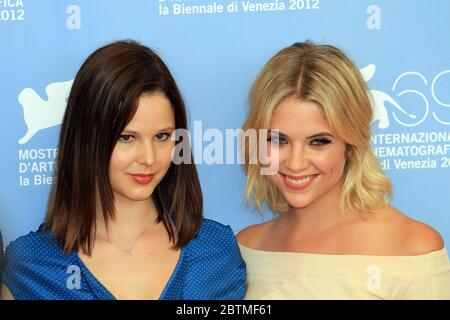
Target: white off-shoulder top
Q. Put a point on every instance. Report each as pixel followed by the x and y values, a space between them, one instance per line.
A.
pixel 292 275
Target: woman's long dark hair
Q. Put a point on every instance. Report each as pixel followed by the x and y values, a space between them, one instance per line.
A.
pixel 102 101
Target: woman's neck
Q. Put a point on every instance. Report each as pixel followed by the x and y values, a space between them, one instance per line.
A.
pixel 321 215
pixel 130 219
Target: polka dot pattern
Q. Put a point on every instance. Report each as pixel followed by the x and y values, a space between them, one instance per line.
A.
pixel 210 267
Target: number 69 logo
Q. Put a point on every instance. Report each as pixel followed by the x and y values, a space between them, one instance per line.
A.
pixel 379 99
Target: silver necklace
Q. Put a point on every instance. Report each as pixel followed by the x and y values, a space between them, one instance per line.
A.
pixel 128 251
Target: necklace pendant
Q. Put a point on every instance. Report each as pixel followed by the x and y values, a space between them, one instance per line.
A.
pixel 128 251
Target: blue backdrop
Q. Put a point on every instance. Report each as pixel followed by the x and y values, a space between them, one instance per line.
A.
pixel 215 50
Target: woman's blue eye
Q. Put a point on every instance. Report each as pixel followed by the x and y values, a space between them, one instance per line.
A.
pixel 276 140
pixel 126 138
pixel 320 141
pixel 162 136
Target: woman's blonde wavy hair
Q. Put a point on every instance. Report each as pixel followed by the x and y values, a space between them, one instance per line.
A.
pixel 325 75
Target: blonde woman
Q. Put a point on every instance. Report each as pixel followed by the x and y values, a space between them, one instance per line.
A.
pixel 335 236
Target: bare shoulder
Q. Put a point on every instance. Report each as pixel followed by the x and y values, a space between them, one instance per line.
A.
pixel 421 238
pixel 402 235
pixel 253 235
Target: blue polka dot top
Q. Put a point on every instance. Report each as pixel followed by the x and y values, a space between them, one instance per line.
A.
pixel 209 267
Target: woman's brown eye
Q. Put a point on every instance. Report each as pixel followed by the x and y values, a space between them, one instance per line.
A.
pixel 126 138
pixel 162 136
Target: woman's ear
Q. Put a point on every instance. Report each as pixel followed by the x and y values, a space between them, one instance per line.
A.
pixel 348 150
pixel 348 156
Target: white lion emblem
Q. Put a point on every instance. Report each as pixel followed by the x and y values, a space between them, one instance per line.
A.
pixel 41 114
pixel 378 100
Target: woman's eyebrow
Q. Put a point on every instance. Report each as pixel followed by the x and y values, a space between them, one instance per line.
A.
pixel 320 134
pixel 131 131
pixel 167 129
pixel 277 132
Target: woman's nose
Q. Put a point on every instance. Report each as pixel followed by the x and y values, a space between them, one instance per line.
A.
pixel 146 154
pixel 297 159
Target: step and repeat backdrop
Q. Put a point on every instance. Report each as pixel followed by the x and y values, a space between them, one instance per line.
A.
pixel 215 50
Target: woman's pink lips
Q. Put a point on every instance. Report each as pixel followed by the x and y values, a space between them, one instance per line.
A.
pixel 142 178
pixel 300 187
